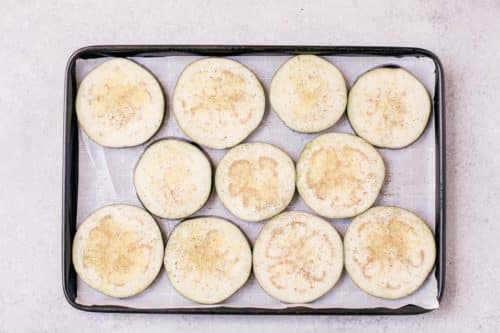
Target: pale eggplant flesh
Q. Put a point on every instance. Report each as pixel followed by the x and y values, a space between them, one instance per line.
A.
pixel 173 178
pixel 339 175
pixel 297 257
pixel 389 107
pixel 120 104
pixel 308 93
pixel 118 250
pixel 218 102
pixel 389 251
pixel 207 259
pixel 255 181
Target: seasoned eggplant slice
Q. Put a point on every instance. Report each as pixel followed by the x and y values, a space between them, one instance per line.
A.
pixel 308 93
pixel 120 104
pixel 389 252
pixel 207 259
pixel 298 257
pixel 255 181
pixel 218 102
pixel 173 178
pixel 339 175
pixel 388 107
pixel 118 250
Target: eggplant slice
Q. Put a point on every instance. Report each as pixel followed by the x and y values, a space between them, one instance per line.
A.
pixel 297 257
pixel 255 181
pixel 118 250
pixel 389 252
pixel 388 107
pixel 173 178
pixel 207 259
pixel 339 175
pixel 218 102
pixel 308 93
pixel 120 104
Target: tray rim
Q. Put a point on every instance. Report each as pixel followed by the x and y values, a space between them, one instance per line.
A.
pixel 70 165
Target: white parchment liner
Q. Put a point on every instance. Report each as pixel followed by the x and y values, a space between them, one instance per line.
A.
pixel 105 177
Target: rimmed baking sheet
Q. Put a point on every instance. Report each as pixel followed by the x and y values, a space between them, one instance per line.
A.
pixel 105 177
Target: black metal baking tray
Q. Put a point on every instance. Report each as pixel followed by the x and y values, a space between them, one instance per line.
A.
pixel 70 163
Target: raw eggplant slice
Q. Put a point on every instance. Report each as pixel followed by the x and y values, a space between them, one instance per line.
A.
pixel 255 181
pixel 207 259
pixel 339 175
pixel 118 250
pixel 218 102
pixel 308 93
pixel 120 104
pixel 297 257
pixel 173 178
pixel 388 107
pixel 389 252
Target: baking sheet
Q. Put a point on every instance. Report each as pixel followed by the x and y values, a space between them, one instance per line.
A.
pixel 105 177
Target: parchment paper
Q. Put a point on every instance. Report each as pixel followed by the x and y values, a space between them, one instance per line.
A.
pixel 105 177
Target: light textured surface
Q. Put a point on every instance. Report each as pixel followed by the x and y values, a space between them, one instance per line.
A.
pixel 38 36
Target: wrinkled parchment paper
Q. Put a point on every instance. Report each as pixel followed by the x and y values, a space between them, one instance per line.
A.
pixel 105 177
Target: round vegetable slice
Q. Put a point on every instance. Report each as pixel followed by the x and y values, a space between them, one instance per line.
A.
pixel 173 178
pixel 388 107
pixel 389 251
pixel 218 102
pixel 339 175
pixel 297 257
pixel 120 104
pixel 207 259
pixel 255 181
pixel 118 250
pixel 308 93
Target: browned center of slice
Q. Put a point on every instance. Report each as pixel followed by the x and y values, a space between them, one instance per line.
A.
pixel 220 96
pixel 208 256
pixel 116 254
pixel 256 183
pixel 297 253
pixel 389 244
pixel 336 171
pixel 117 101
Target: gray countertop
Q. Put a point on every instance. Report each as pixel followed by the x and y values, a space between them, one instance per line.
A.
pixel 37 37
